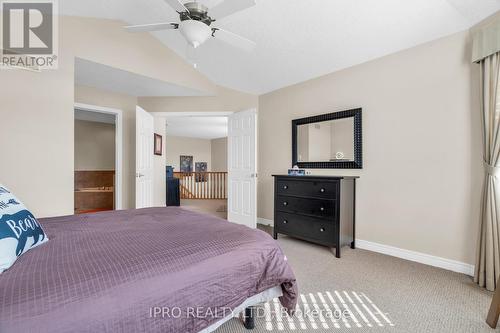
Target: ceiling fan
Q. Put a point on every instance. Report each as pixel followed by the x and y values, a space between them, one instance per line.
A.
pixel 196 20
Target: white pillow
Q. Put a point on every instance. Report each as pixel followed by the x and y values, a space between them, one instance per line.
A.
pixel 19 229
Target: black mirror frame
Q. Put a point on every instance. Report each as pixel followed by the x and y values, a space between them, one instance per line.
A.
pixel 358 140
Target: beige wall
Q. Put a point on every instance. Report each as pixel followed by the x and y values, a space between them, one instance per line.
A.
pixel 214 152
pixel 320 140
pixel 219 154
pixel 420 185
pixel 224 100
pixel 303 143
pixel 200 149
pixel 94 146
pixel 37 108
pixel 37 120
pixel 343 138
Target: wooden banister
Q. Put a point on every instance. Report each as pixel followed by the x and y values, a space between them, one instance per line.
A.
pixel 202 185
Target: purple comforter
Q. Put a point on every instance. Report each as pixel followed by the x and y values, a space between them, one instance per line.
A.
pixel 113 272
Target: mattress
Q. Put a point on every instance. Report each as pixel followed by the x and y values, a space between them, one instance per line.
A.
pixel 113 271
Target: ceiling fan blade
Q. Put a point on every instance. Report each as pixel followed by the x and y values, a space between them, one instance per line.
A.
pixel 211 3
pixel 229 7
pixel 177 5
pixel 234 39
pixel 151 27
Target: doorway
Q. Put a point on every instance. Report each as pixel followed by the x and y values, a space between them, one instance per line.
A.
pixel 196 154
pixel 227 191
pixel 98 159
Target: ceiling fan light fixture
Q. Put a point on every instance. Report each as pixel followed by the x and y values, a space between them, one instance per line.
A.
pixel 195 32
pixel 196 19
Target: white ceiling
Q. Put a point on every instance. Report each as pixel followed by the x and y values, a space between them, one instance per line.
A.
pixel 92 74
pixel 197 127
pixel 301 39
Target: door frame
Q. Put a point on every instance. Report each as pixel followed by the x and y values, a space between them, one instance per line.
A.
pixel 118 145
pixel 224 114
pixel 194 114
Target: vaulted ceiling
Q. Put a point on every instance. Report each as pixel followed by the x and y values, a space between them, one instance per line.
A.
pixel 300 39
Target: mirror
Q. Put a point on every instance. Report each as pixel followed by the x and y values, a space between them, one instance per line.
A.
pixel 328 141
pixel 331 140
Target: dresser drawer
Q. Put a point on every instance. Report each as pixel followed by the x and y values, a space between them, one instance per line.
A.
pixel 316 207
pixel 305 227
pixel 327 190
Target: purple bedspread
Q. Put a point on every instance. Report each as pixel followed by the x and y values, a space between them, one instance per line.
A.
pixel 113 271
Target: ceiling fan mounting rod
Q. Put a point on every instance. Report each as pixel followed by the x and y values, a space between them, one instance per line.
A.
pixel 197 11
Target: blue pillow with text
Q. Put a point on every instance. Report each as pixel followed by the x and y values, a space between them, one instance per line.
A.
pixel 19 229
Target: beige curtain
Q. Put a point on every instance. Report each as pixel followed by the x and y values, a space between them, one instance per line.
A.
pixel 486 41
pixel 488 255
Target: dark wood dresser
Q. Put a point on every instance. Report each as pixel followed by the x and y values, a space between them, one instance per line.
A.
pixel 319 209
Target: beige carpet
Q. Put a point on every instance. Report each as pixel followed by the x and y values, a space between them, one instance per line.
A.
pixel 212 207
pixel 393 295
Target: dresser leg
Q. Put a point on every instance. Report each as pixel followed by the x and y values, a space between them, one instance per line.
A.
pixel 353 245
pixel 275 234
pixel 337 251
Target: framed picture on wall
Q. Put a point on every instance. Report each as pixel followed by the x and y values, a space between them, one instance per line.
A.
pixel 186 163
pixel 158 144
pixel 201 168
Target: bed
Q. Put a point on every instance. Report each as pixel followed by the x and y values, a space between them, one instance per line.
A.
pixel 146 270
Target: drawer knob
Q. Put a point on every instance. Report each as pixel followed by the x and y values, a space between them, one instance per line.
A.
pixel 322 209
pixel 322 190
pixel 285 187
pixel 285 203
pixel 285 221
pixel 322 229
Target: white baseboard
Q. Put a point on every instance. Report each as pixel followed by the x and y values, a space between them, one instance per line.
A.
pixel 451 265
pixel 264 221
pixel 427 259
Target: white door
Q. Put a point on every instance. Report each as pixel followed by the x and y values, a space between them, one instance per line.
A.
pixel 144 136
pixel 242 168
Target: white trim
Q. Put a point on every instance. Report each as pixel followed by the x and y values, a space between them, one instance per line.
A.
pixel 265 296
pixel 193 114
pixel 451 265
pixel 119 146
pixel 263 221
pixel 427 259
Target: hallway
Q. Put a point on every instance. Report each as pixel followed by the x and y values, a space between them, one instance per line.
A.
pixel 213 207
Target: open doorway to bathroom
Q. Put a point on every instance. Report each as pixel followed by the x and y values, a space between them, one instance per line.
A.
pixel 97 159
